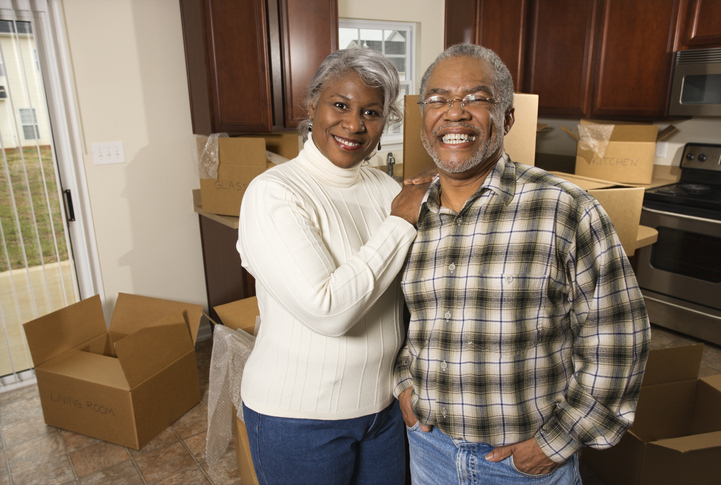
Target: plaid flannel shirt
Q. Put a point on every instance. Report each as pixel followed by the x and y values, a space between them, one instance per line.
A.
pixel 526 319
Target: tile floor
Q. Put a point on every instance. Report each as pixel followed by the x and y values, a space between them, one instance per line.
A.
pixel 34 453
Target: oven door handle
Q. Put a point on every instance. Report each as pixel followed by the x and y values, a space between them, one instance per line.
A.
pixel 683 216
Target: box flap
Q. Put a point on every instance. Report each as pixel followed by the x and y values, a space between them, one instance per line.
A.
pixel 249 152
pixel 89 367
pixel 707 408
pixel 133 312
pixel 239 314
pixel 149 350
pixel 60 331
pixel 664 410
pixel 666 132
pixel 628 132
pixel 686 444
pixel 673 364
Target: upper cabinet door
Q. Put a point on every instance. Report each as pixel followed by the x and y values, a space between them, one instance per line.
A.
pixel 250 62
pixel 309 32
pixel 701 24
pixel 559 61
pixel 634 58
pixel 499 25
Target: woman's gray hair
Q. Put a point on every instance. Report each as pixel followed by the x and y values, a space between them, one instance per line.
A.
pixel 502 80
pixel 374 69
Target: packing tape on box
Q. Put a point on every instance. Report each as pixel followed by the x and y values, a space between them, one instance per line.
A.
pixel 231 349
pixel 595 138
pixel 209 158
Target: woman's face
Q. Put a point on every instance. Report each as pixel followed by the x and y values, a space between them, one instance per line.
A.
pixel 347 120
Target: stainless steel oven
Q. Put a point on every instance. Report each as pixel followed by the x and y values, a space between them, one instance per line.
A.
pixel 680 275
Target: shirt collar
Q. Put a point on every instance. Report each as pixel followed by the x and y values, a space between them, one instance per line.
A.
pixel 501 181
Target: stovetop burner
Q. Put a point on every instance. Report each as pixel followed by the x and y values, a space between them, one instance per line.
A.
pixel 698 192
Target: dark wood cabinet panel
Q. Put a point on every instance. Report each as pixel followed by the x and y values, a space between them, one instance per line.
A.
pixel 587 58
pixel 634 58
pixel 559 61
pixel 499 25
pixel 306 44
pixel 249 62
pixel 701 24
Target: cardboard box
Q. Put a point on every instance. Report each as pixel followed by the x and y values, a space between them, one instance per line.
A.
pixel 676 437
pixel 621 202
pixel 125 384
pixel 240 160
pixel 520 143
pixel 617 151
pixel 241 314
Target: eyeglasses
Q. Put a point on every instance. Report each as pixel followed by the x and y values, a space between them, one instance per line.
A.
pixel 470 101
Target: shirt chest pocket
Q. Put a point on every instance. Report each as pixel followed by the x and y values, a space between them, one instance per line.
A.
pixel 511 311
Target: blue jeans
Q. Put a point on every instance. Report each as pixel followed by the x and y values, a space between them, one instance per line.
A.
pixel 436 458
pixel 365 450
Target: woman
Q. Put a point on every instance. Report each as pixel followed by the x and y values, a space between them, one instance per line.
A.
pixel 325 237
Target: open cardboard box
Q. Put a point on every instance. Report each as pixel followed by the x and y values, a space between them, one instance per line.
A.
pixel 241 315
pixel 125 384
pixel 520 143
pixel 617 151
pixel 240 160
pixel 676 436
pixel 621 202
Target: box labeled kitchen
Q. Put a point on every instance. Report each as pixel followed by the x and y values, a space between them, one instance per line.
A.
pixel 227 165
pixel 617 151
pixel 621 202
pixel 124 384
pixel 676 436
pixel 519 143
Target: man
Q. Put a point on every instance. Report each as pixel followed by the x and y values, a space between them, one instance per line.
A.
pixel 528 335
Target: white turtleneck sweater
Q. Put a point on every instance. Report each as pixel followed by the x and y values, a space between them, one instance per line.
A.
pixel 325 254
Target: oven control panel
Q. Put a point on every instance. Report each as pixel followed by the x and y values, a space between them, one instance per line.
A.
pixel 702 156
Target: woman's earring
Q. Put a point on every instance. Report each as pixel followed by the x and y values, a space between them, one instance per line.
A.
pixel 310 127
pixel 379 146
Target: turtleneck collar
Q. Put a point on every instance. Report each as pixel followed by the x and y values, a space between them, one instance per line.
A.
pixel 320 167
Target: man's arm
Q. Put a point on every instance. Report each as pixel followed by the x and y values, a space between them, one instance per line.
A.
pixel 610 348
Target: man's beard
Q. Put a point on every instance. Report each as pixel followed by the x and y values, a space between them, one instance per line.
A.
pixel 492 143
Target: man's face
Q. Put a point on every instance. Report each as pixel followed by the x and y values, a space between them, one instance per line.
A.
pixel 463 140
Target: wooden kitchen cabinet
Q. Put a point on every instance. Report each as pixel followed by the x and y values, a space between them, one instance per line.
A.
pixel 634 58
pixel 560 56
pixel 584 58
pixel 700 26
pixel 249 62
pixel 499 25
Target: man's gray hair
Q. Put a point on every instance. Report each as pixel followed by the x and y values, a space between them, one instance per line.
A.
pixel 374 69
pixel 502 80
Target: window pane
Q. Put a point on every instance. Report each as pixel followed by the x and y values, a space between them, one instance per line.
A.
pixel 371 34
pixel 400 63
pixel 346 37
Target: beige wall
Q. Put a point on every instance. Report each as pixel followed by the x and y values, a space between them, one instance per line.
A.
pixel 129 69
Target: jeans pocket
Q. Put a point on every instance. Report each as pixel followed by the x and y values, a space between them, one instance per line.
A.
pixel 528 475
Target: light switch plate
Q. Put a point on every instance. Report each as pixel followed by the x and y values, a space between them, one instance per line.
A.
pixel 108 153
pixel 661 148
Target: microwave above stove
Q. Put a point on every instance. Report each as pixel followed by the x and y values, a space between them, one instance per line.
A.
pixel 696 83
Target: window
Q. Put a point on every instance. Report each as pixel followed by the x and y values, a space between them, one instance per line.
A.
pixel 396 41
pixel 29 122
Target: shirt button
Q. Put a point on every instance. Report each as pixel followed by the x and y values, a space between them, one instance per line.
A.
pixel 509 279
pixel 444 365
pixel 452 266
pixel 444 411
pixel 459 220
pixel 448 315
